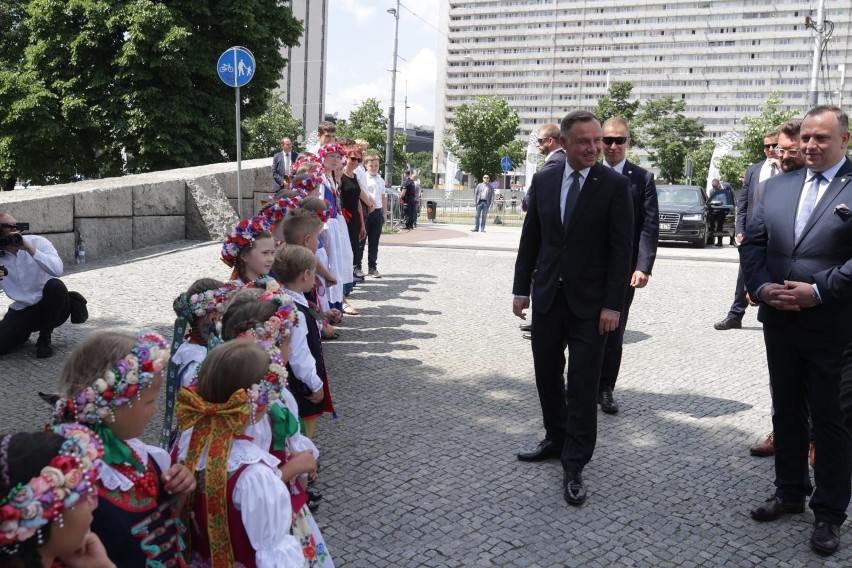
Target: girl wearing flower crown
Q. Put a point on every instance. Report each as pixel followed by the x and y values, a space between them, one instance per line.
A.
pixel 48 484
pixel 340 253
pixel 249 249
pixel 257 316
pixel 242 511
pixel 198 311
pixel 110 383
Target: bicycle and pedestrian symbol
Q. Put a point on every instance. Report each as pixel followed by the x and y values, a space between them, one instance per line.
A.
pixel 236 66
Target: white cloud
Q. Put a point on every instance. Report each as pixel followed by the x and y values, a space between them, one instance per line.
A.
pixel 426 9
pixel 421 72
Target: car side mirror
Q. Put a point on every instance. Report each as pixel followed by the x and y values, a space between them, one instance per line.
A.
pixel 715 203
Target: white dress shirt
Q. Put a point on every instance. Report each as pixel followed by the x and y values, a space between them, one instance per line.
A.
pixel 376 189
pixel 566 185
pixel 301 360
pixel 29 273
pixel 767 170
pixel 619 167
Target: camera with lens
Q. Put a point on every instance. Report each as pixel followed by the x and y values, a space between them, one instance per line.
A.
pixel 13 239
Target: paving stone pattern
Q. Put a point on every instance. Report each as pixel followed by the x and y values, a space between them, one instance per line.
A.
pixel 435 390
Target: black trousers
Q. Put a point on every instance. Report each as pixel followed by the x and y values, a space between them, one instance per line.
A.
pixel 570 413
pixel 614 343
pixel 846 389
pixel 740 304
pixel 804 372
pixel 717 224
pixel 51 312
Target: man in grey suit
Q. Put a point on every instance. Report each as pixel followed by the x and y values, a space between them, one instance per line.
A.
pixel 797 262
pixel 281 163
pixel 646 233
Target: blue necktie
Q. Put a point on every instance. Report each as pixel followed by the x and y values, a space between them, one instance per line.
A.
pixel 571 198
pixel 807 205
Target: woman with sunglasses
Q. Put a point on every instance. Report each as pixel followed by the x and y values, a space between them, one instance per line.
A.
pixel 350 198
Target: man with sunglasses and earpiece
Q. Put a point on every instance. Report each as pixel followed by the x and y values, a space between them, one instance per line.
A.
pixel 548 145
pixel 646 228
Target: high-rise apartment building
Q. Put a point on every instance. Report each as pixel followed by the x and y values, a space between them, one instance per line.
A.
pixel 723 57
pixel 303 80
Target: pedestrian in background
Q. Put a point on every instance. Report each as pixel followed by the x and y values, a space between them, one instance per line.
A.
pixel 483 196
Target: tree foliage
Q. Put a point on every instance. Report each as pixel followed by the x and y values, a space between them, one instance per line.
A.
pixel 482 133
pixel 262 134
pixel 422 161
pixel 616 103
pixel 669 135
pixel 368 122
pixel 749 148
pixel 107 87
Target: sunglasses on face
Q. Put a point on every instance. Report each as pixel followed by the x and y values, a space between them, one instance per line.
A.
pixel 770 146
pixel 545 139
pixel 353 158
pixel 609 140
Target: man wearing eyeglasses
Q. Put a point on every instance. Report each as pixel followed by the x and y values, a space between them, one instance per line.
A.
pixel 548 145
pixel 756 174
pixel 646 228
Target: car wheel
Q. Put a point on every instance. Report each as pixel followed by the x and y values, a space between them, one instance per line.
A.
pixel 699 243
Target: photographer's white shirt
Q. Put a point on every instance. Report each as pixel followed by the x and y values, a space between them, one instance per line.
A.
pixel 28 274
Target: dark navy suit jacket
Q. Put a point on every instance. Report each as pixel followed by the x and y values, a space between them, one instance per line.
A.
pixel 591 254
pixel 821 256
pixel 646 217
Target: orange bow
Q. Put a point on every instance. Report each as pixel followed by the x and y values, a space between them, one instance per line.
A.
pixel 214 426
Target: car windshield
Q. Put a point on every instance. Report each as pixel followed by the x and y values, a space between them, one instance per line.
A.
pixel 679 196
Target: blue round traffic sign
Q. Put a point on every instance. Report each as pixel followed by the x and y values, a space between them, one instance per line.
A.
pixel 236 66
pixel 506 163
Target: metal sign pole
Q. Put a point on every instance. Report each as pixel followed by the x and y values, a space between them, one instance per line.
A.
pixel 239 158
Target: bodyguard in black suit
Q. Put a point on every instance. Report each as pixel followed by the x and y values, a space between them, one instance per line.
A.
pixel 797 260
pixel 753 180
pixel 548 146
pixel 577 239
pixel 646 233
pixel 281 163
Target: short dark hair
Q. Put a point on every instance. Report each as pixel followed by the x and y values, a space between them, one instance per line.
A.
pixel 773 134
pixel 791 127
pixel 298 223
pixel 842 117
pixel 573 117
pixel 326 126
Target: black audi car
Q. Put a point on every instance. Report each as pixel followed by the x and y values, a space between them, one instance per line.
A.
pixel 683 215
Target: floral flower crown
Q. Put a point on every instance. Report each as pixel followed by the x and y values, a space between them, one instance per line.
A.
pixel 334 147
pixel 203 303
pixel 70 476
pixel 309 183
pixel 304 159
pixel 277 210
pixel 132 374
pixel 243 234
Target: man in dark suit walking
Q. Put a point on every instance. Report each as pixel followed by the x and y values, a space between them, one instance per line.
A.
pixel 281 163
pixel 646 232
pixel 578 239
pixel 797 261
pixel 755 176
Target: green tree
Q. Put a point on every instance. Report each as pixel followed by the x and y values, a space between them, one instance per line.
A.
pixel 669 135
pixel 127 87
pixel 616 103
pixel 701 157
pixel 422 161
pixel 749 148
pixel 262 134
pixel 368 122
pixel 482 133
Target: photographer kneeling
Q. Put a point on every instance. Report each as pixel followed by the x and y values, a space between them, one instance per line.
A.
pixel 29 274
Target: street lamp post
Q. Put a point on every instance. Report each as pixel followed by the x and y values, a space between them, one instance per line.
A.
pixel 389 142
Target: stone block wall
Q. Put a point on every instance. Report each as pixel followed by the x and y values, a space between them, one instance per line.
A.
pixel 115 215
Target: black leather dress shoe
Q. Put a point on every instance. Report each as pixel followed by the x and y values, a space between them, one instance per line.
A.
pixel 545 449
pixel 776 508
pixel 826 538
pixel 575 490
pixel 528 336
pixel 43 348
pixel 526 327
pixel 608 404
pixel 728 323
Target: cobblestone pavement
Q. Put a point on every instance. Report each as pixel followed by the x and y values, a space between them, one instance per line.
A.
pixel 435 391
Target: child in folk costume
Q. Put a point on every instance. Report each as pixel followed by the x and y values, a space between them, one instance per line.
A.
pixel 338 236
pixel 110 383
pixel 242 512
pixel 249 249
pixel 48 490
pixel 257 315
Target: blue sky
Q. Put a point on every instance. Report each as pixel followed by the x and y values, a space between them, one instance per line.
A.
pixel 360 56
